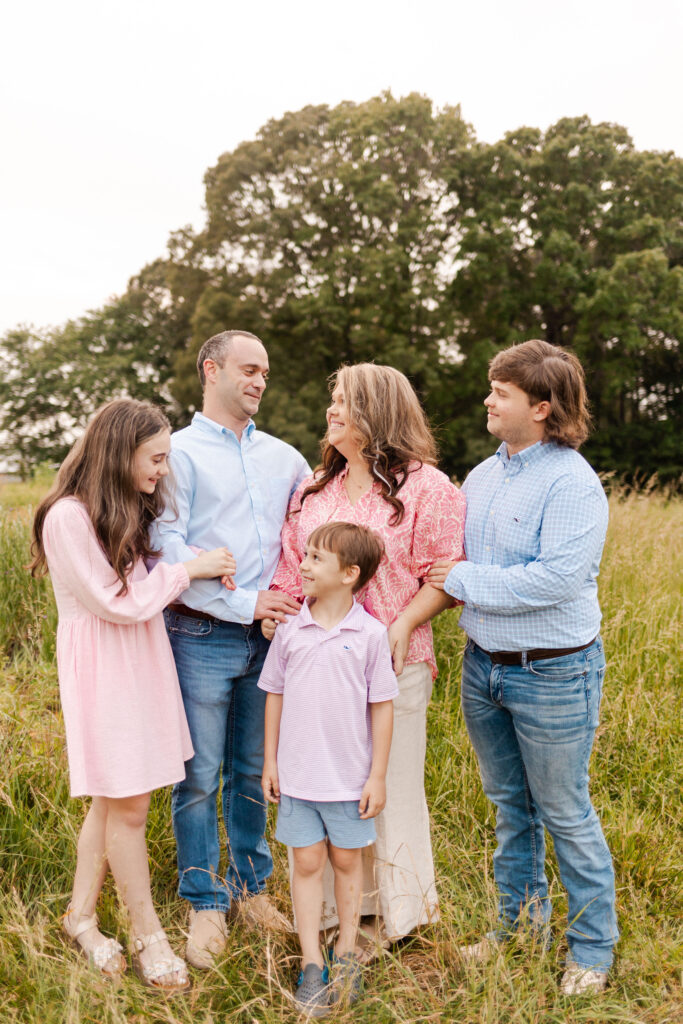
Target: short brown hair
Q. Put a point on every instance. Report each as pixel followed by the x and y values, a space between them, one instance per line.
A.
pixel 218 348
pixel 548 373
pixel 353 545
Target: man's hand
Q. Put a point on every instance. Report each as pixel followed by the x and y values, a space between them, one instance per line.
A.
pixel 436 577
pixel 268 627
pixel 273 604
pixel 399 640
pixel 373 797
pixel 270 783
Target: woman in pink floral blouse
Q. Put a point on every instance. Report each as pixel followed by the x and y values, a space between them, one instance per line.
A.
pixel 378 470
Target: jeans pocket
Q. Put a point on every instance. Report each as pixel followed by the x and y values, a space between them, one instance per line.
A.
pixel 185 625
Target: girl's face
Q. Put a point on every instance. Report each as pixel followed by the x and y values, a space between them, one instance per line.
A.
pixel 340 430
pixel 151 462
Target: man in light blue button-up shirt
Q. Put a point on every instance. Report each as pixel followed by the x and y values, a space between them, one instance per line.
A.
pixel 234 482
pixel 533 665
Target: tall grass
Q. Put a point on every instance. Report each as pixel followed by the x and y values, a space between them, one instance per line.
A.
pixel 636 771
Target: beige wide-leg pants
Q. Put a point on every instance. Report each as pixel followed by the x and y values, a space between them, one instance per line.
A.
pixel 398 871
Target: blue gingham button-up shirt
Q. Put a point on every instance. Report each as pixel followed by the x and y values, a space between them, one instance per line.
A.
pixel 534 534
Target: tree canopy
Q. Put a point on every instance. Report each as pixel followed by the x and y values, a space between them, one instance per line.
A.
pixel 385 231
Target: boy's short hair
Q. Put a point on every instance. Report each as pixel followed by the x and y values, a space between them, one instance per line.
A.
pixel 353 545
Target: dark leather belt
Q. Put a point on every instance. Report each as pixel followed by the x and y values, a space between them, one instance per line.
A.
pixel 515 657
pixel 192 613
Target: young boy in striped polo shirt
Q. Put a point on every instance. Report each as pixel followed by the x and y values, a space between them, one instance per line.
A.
pixel 329 719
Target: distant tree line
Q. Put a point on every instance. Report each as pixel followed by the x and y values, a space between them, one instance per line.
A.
pixel 385 231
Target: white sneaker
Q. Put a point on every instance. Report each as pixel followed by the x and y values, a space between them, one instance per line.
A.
pixel 577 981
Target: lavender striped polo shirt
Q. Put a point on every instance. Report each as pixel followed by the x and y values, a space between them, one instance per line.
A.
pixel 328 679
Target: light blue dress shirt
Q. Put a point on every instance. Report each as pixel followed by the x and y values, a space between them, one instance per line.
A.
pixel 231 492
pixel 534 534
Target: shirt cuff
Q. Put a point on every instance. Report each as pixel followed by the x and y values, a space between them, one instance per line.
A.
pixel 453 584
pixel 242 605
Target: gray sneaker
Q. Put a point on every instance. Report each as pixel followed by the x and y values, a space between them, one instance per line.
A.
pixel 312 994
pixel 347 978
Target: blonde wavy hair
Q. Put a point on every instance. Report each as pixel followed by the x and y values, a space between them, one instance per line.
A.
pixel 394 436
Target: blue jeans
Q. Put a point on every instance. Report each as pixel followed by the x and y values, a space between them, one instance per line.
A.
pixel 219 664
pixel 532 729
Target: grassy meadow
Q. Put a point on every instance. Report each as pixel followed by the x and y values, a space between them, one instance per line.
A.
pixel 637 776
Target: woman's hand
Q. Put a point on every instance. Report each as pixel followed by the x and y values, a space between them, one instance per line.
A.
pixel 400 632
pixel 268 627
pixel 436 577
pixel 210 564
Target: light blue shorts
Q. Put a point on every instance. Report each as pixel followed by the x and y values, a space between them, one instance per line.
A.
pixel 305 822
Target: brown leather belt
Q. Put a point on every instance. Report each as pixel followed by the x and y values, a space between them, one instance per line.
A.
pixel 515 657
pixel 182 609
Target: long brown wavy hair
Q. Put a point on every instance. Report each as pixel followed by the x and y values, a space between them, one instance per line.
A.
pixel 99 472
pixel 394 435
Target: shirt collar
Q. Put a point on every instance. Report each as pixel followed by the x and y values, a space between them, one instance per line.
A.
pixel 352 620
pixel 200 420
pixel 526 457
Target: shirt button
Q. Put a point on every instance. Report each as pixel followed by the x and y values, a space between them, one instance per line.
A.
pixel 488 547
pixel 481 620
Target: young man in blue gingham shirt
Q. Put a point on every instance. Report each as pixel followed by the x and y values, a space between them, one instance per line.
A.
pixel 534 664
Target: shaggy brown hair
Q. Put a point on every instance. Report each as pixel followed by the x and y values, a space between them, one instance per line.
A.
pixel 353 545
pixel 99 472
pixel 548 373
pixel 395 438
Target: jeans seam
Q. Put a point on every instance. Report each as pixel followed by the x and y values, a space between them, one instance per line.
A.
pixel 532 832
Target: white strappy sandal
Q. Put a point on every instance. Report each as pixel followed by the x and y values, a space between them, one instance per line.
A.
pixel 107 956
pixel 167 967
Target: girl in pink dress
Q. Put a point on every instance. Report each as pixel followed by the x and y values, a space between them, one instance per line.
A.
pixel 378 470
pixel 126 731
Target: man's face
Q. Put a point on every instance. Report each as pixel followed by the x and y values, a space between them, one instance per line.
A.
pixel 240 382
pixel 512 418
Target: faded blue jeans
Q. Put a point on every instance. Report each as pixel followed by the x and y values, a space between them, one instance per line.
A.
pixel 532 729
pixel 219 664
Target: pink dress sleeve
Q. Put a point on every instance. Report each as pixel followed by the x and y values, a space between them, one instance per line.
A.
pixel 77 562
pixel 439 530
pixel 287 576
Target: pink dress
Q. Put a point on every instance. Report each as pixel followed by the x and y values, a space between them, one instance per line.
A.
pixel 126 731
pixel 433 527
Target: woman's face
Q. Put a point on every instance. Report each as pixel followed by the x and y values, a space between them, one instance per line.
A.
pixel 340 430
pixel 151 462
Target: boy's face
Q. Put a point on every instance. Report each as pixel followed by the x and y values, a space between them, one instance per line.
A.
pixel 322 574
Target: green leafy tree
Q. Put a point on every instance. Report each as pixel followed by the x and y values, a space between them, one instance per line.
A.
pixel 326 236
pixel 553 226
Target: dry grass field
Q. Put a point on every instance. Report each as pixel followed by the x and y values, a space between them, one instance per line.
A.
pixel 637 785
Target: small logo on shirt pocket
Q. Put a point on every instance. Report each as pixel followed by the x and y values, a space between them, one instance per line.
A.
pixel 346 647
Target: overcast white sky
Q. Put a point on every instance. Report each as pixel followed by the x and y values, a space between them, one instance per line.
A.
pixel 111 112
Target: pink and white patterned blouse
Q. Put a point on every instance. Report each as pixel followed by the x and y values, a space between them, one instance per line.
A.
pixel 433 527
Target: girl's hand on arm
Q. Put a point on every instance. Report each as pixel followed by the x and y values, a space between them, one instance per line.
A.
pixel 210 564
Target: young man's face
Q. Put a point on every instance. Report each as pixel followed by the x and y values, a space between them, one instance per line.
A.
pixel 512 418
pixel 322 573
